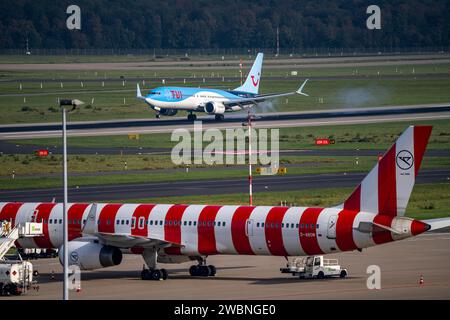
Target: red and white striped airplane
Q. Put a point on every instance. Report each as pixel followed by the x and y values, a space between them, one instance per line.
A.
pixel 174 233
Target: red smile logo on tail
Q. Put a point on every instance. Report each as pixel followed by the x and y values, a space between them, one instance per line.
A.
pixel 255 83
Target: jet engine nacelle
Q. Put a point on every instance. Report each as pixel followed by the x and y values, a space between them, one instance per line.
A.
pixel 168 112
pixel 89 255
pixel 214 108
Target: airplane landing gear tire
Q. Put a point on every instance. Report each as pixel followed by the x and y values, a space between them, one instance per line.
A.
pixel 145 274
pixel 202 271
pixel 219 117
pixel 164 274
pixel 192 117
pixel 212 270
pixel 156 274
pixel 157 116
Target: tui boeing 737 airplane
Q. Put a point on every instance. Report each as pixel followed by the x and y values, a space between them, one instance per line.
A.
pixel 168 100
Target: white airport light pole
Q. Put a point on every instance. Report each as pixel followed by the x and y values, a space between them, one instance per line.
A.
pixel 64 103
pixel 250 175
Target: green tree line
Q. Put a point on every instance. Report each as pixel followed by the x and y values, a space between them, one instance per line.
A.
pixel 147 24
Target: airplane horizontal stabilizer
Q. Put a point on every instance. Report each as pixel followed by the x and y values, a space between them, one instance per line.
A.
pixel 437 224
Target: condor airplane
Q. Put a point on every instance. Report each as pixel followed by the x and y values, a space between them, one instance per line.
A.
pixel 168 100
pixel 100 233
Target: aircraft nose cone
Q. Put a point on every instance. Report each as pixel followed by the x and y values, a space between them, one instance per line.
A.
pixel 418 227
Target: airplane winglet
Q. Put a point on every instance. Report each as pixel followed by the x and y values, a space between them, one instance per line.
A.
pixel 138 92
pixel 300 90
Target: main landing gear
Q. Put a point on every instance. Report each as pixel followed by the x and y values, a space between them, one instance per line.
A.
pixel 202 270
pixel 152 273
pixel 191 117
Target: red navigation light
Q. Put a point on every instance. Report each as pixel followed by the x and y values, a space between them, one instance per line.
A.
pixel 41 153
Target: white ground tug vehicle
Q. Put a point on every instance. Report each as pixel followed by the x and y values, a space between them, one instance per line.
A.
pixel 16 276
pixel 315 267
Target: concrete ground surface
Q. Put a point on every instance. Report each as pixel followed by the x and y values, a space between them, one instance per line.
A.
pixel 250 277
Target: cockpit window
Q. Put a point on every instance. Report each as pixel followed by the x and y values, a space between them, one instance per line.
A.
pixel 155 92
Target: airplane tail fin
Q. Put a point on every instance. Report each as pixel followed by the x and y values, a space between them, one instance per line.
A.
pixel 251 84
pixel 388 186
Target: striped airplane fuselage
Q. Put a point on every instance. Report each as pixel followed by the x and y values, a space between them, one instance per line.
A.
pixel 209 229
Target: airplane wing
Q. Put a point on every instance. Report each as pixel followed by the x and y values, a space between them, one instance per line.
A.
pixel 121 240
pixel 264 97
pixel 128 241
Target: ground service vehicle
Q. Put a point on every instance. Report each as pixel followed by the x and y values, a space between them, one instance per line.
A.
pixel 315 267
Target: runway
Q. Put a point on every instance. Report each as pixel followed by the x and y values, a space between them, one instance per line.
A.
pixel 264 120
pixel 258 277
pixel 12 148
pixel 298 62
pixel 206 187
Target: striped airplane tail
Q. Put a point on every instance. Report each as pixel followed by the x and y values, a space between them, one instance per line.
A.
pixel 388 186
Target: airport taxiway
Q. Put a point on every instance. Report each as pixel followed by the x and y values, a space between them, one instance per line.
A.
pixel 258 277
pixel 207 187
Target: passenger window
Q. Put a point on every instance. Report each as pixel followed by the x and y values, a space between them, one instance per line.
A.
pixel 257 224
pixel 223 224
pixel 190 223
pixel 195 223
pixel 122 222
pixel 60 221
pixel 133 222
pixel 141 222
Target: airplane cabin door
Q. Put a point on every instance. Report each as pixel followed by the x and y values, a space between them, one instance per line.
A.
pixel 331 228
pixel 249 228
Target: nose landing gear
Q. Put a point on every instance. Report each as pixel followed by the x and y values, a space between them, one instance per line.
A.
pixel 191 117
